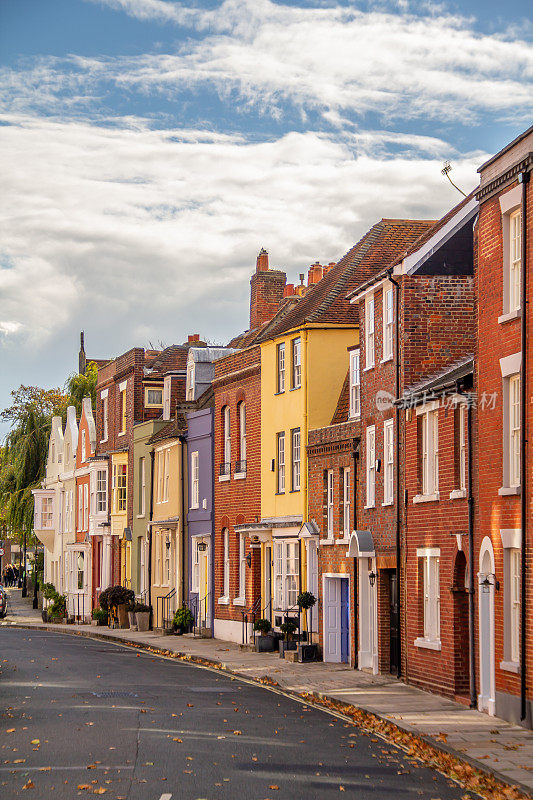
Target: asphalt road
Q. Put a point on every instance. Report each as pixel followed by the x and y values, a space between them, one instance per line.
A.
pixel 83 717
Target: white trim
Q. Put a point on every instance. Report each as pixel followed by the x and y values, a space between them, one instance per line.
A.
pixel 374 288
pixel 123 386
pixel 427 643
pixel 104 393
pixel 486 696
pixel 337 575
pixel 505 491
pixel 222 478
pixel 510 315
pixel 426 498
pixel 430 552
pixel 223 601
pixel 238 476
pixel 328 540
pixel 511 200
pixel 433 405
pixel 510 365
pixel 510 666
pixel 511 538
pixel 458 494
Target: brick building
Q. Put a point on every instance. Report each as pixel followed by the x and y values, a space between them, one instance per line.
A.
pixel 416 319
pixel 504 358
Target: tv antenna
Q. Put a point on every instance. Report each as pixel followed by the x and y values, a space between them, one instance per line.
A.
pixel 446 169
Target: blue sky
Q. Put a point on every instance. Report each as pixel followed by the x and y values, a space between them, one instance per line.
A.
pixel 150 148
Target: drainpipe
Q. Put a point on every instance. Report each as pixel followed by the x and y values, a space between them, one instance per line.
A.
pixel 397 454
pixel 152 458
pixel 355 456
pixel 524 180
pixel 183 518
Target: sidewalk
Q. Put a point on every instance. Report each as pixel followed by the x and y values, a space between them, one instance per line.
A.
pixel 487 743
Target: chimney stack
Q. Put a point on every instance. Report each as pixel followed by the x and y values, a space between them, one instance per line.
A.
pixel 193 337
pixel 262 261
pixel 266 291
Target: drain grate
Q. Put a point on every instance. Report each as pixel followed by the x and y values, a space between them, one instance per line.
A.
pixel 112 693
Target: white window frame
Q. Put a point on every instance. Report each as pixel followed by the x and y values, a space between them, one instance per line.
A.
pixel 142 486
pixel 388 462
pixel 101 491
pixel 118 468
pixel 281 462
pixel 295 459
pixel 79 555
pixel 80 508
pixel 227 435
pixel 388 321
pixel 462 446
pixel 514 603
pixel 166 559
pixel 355 383
pixel 123 408
pixel 242 567
pixel 242 430
pixel 280 367
pixel 370 466
pixel 85 506
pixel 191 371
pixel 431 597
pixel 83 446
pixel 330 494
pixel 370 349
pixel 147 403
pixel 513 431
pixel 430 452
pixel 196 567
pixel 515 260
pixel 296 346
pixel 346 501
pixel 286 573
pixel 47 512
pixel 195 480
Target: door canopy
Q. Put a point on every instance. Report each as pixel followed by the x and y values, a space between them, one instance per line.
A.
pixel 361 545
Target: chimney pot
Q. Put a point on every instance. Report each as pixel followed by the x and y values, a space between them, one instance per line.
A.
pixel 193 337
pixel 262 261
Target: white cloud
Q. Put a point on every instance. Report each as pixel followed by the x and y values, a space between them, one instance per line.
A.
pixel 130 231
pixel 336 60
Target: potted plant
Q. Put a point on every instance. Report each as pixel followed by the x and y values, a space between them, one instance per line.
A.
pixel 131 616
pixel 142 616
pixel 266 642
pixel 115 600
pixel 307 651
pixel 305 601
pixel 183 619
pixel 58 609
pixel 50 594
pixel 99 616
pixel 288 628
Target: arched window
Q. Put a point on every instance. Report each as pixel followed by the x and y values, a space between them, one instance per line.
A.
pixel 225 542
pixel 241 464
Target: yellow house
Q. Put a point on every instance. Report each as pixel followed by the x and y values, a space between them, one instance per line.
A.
pixel 168 553
pixel 302 373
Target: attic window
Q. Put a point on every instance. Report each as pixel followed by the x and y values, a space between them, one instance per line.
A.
pixel 153 398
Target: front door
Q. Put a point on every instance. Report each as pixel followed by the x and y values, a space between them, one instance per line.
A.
pixel 394 621
pixel 312 583
pixel 203 599
pixel 486 639
pixel 336 633
pixel 267 600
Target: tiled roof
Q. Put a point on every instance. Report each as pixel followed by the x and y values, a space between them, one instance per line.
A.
pixel 326 301
pixel 343 403
pixel 173 357
pixel 439 381
pixel 250 337
pixel 173 429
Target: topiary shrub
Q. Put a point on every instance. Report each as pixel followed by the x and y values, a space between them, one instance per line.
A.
pixel 141 607
pixel 183 618
pixel 100 615
pixel 262 625
pixel 116 596
pixel 288 627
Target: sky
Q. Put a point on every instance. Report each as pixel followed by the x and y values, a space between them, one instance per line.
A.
pixel 150 148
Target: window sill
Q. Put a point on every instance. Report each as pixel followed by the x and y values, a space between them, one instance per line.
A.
pixel 428 644
pixel 103 441
pixel 506 491
pixel 195 507
pixel 343 540
pixel 279 493
pixel 223 478
pixel 388 503
pixel 223 601
pixel 329 540
pixel 293 388
pixel 293 491
pixel 367 369
pixel 276 393
pixel 509 315
pixel 139 516
pixel 426 498
pixel 458 494
pixel 239 601
pixel 386 360
pixel 121 433
pixel 239 476
pixel 367 508
pixel 354 417
pixel 510 666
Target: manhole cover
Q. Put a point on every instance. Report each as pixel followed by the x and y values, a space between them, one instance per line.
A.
pixel 112 693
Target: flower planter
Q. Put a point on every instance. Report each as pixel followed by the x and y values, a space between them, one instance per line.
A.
pixel 307 652
pixel 143 620
pixel 266 643
pixel 285 645
pixel 132 620
pixel 122 615
pixel 44 615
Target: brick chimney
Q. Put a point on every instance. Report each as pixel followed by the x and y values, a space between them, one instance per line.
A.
pixel 266 291
pixel 193 337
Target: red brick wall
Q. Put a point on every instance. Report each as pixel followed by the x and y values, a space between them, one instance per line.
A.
pixel 237 378
pixel 328 448
pixel 494 512
pixel 266 293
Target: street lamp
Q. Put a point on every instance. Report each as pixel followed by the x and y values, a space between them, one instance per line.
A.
pixel 24 584
pixel 372 577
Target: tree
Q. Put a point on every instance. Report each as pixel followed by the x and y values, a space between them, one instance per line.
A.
pixel 80 386
pixel 48 402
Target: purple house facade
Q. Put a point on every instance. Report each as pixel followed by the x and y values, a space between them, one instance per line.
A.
pixel 200 517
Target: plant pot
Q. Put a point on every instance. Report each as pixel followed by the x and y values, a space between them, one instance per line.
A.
pixel 94 622
pixel 285 645
pixel 143 620
pixel 307 652
pixel 44 615
pixel 122 614
pixel 132 620
pixel 266 643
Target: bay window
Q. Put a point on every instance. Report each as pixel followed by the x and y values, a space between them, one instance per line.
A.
pixel 286 573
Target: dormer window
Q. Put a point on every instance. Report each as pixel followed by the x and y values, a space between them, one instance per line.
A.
pixel 153 397
pixel 166 396
pixel 189 395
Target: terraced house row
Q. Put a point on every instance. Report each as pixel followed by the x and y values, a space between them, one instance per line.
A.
pixel 364 440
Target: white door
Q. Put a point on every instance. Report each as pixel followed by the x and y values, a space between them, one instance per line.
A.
pixel 332 620
pixel 367 656
pixel 486 700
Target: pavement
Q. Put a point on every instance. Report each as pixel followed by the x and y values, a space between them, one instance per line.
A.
pixel 86 717
pixel 490 744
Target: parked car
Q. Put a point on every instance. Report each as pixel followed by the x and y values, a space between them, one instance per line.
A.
pixel 3 602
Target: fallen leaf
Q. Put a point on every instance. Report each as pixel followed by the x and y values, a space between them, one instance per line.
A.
pixel 91 766
pixel 19 761
pixel 100 790
pixel 273 786
pixel 29 785
pixel 190 705
pixel 44 769
pixel 85 786
pixel 35 741
pixel 175 739
pixel 237 733
pixel 342 789
pixel 10 730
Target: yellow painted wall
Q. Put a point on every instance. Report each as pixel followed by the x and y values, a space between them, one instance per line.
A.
pixel 324 362
pixel 172 507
